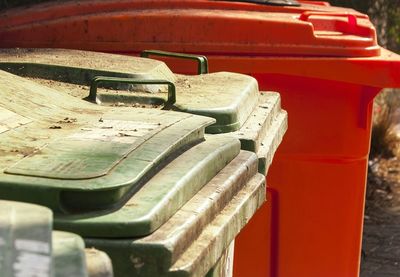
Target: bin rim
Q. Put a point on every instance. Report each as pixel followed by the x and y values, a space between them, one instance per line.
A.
pixel 309 30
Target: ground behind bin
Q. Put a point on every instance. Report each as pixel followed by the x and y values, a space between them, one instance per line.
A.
pixel 381 239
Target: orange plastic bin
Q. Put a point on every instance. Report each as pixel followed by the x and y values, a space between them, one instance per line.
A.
pixel 327 66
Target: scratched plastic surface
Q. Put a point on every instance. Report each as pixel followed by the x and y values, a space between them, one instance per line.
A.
pixel 227 97
pixel 162 195
pixel 74 156
pixel 194 238
pixel 232 99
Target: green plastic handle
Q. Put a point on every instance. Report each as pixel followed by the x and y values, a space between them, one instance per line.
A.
pixel 102 79
pixel 202 67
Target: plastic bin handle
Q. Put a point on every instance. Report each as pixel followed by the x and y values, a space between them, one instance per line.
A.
pixel 202 67
pixel 352 19
pixel 102 79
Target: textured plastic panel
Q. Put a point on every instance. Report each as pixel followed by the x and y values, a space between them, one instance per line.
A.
pixel 68 255
pixel 74 156
pixel 161 196
pixel 158 252
pixel 25 239
pixel 227 97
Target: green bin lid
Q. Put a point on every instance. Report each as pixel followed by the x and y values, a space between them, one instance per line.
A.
pixel 259 121
pixel 211 244
pixel 79 67
pixel 155 254
pixel 25 239
pixel 68 255
pixel 264 129
pixel 227 97
pixel 161 196
pixel 74 156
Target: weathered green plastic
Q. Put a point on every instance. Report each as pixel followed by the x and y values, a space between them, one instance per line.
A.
pixel 224 266
pixel 271 142
pixel 158 253
pixel 264 129
pixel 74 156
pixel 215 238
pixel 25 239
pixel 230 98
pixel 227 97
pixel 161 196
pixel 80 67
pixel 98 263
pixel 68 255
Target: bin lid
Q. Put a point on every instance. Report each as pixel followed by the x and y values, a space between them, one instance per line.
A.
pixel 25 234
pixel 8 5
pixel 68 255
pixel 80 67
pixel 185 226
pixel 161 196
pixel 212 27
pixel 215 238
pixel 207 223
pixel 264 129
pixel 74 156
pixel 228 97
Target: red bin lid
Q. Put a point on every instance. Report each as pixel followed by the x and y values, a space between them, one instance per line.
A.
pixel 211 27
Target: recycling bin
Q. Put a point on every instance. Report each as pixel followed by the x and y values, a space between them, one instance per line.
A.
pixel 233 100
pixel 72 150
pixel 25 240
pixel 327 66
pixel 71 258
pixel 68 255
pixel 30 247
pixel 194 238
pixel 143 185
